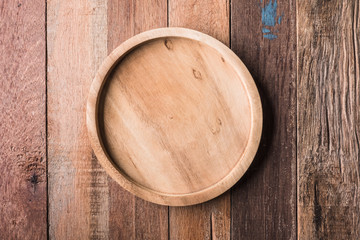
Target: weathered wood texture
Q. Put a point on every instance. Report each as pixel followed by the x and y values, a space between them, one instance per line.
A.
pixel 85 203
pixel 264 201
pixel 131 217
pixel 22 124
pixel 210 17
pixel 328 119
pixel 78 186
pixel 210 220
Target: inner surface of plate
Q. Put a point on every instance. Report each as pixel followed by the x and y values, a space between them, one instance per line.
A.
pixel 174 116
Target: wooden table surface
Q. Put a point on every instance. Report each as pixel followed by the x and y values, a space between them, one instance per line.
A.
pixel 304 182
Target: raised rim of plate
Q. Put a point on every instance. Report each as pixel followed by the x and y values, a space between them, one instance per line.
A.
pixel 149 194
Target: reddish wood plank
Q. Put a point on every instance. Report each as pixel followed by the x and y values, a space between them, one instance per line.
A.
pixel 264 201
pixel 22 125
pixel 210 220
pixel 131 217
pixel 328 119
pixel 78 186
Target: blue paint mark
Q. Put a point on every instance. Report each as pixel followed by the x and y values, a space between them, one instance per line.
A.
pixel 265 30
pixel 268 14
pixel 270 19
pixel 270 36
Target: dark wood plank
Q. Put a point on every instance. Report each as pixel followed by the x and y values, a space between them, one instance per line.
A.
pixel 78 186
pixel 328 119
pixel 23 123
pixel 264 200
pixel 210 220
pixel 129 216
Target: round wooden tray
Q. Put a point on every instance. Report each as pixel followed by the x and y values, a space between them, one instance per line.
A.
pixel 174 116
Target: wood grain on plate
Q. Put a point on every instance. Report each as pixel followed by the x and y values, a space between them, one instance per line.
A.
pixel 210 220
pixel 174 116
pixel 264 202
pixel 328 120
pixel 129 216
pixel 22 120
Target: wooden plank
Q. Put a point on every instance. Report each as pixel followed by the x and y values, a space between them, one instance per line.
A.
pixel 78 186
pixel 210 220
pixel 22 125
pixel 264 201
pixel 210 17
pixel 328 119
pixel 131 217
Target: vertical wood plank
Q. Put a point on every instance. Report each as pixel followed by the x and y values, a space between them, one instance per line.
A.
pixel 328 119
pixel 210 220
pixel 210 17
pixel 22 124
pixel 263 35
pixel 131 217
pixel 78 186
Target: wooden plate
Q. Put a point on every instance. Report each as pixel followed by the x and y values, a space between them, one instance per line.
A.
pixel 174 116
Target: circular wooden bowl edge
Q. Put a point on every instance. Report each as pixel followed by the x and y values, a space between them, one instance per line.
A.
pixel 148 194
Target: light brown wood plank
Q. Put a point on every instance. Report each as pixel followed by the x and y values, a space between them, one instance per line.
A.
pixel 328 119
pixel 210 17
pixel 78 186
pixel 22 124
pixel 210 220
pixel 129 216
pixel 264 200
